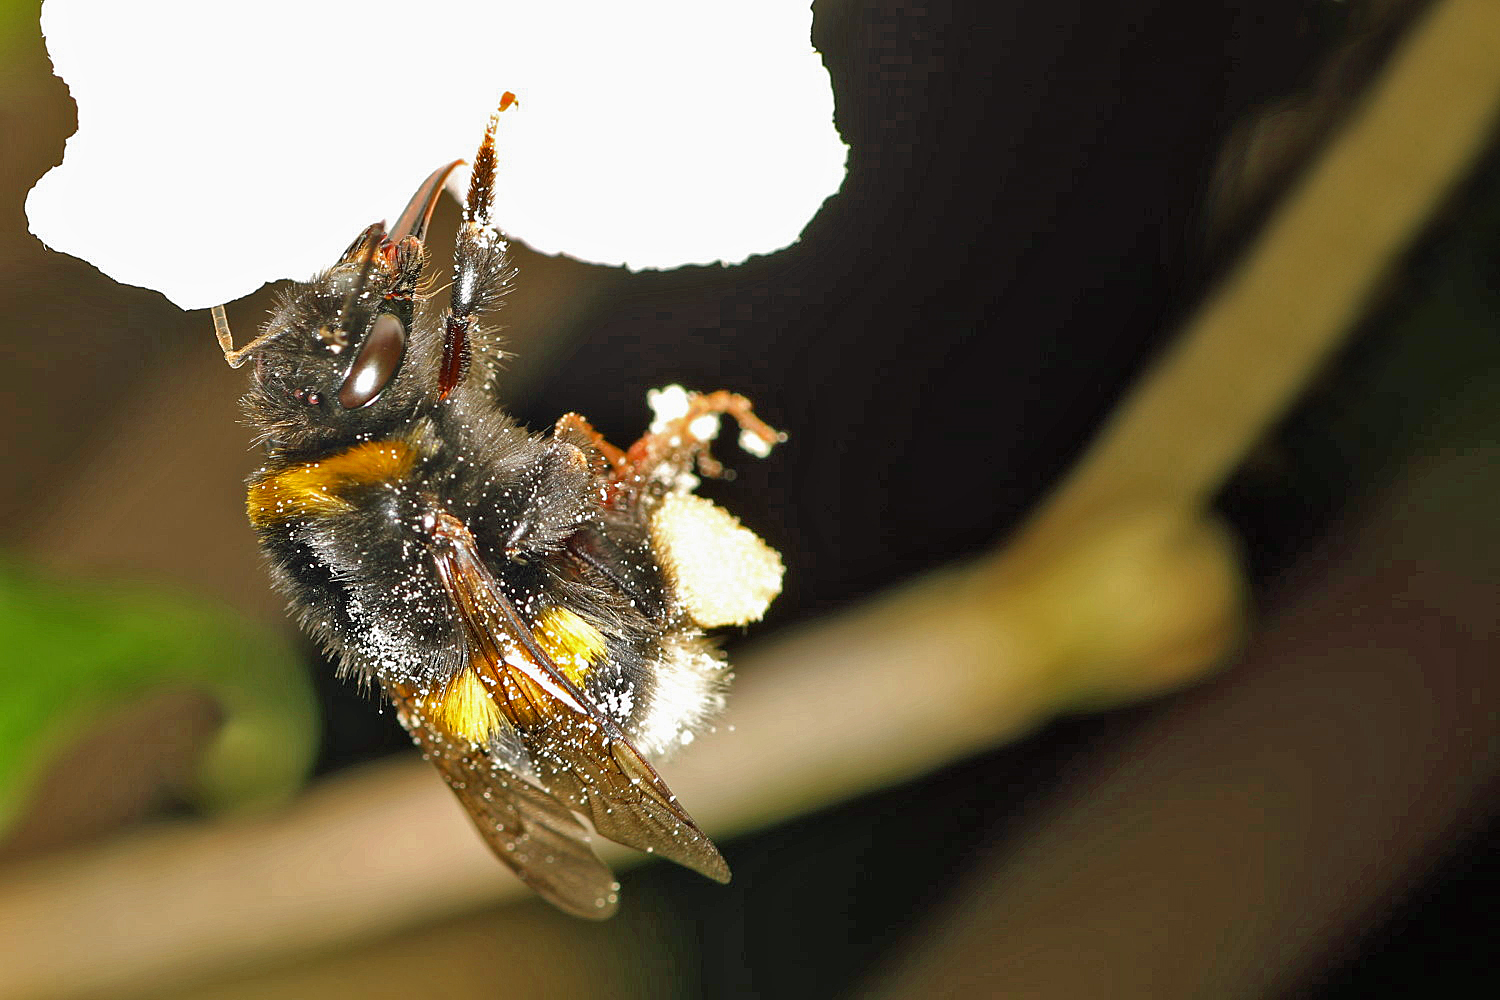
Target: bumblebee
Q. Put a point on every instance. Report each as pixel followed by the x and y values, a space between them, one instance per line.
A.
pixel 534 605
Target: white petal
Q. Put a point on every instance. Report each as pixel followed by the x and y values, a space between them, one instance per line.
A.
pixel 224 145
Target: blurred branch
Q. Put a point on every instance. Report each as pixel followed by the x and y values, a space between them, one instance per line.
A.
pixel 1082 609
pixel 1253 346
pixel 1237 842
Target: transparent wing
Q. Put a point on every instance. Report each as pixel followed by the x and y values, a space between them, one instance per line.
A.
pixel 532 832
pixel 578 755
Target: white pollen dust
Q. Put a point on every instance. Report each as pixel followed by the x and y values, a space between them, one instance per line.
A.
pixel 705 428
pixel 667 405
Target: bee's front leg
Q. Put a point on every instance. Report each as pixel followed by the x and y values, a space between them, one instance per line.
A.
pixel 479 261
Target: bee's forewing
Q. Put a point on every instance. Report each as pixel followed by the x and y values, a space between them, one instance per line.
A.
pixel 595 770
pixel 577 753
pixel 532 832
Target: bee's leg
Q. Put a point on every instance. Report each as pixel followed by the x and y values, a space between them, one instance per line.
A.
pixel 479 261
pixel 606 459
pixel 674 447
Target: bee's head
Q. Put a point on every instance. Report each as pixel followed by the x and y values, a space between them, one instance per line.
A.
pixel 335 364
pixel 337 359
pixel 343 357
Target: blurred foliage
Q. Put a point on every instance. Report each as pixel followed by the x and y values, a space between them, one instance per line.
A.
pixel 73 655
pixel 1416 387
pixel 17 21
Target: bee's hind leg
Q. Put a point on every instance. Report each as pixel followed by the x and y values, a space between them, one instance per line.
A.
pixel 606 460
pixel 685 426
pixel 676 445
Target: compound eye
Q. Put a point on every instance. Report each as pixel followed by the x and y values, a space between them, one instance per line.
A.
pixel 376 364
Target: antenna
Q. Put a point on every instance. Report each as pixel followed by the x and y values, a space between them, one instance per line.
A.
pixel 235 358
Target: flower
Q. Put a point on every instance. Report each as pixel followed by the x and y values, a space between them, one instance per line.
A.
pixel 223 146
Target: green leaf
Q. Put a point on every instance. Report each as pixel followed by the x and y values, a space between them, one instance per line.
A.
pixel 71 655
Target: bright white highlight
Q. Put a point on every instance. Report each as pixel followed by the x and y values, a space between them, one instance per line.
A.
pixel 754 444
pixel 667 404
pixel 221 146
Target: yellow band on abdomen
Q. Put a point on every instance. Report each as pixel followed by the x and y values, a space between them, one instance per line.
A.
pixel 573 643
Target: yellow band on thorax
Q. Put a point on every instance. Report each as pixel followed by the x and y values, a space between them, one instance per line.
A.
pixel 312 489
